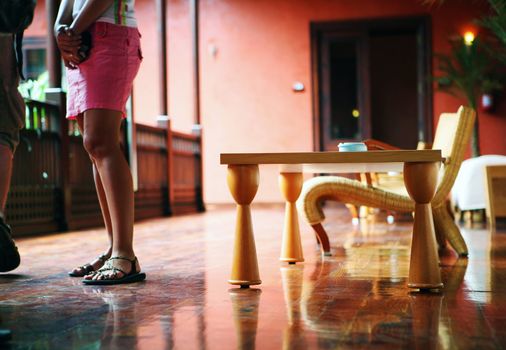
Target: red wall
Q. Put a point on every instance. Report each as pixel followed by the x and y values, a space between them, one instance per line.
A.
pixel 447 21
pixel 252 51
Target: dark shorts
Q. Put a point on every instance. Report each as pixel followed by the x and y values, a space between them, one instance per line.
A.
pixel 12 106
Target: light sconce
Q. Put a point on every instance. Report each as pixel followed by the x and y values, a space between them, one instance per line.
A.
pixel 469 38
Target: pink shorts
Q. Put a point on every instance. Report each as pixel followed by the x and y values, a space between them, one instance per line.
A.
pixel 104 80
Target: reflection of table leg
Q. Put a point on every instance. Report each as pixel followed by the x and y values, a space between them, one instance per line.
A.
pixel 243 184
pixel 291 249
pixel 245 305
pixel 421 181
pixel 292 280
pixel 426 312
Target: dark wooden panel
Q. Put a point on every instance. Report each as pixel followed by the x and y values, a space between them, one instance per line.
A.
pixel 187 182
pixel 34 202
pixel 151 197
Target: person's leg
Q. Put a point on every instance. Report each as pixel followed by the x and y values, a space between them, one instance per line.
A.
pixel 101 140
pixel 102 199
pixel 98 262
pixel 9 255
pixel 5 175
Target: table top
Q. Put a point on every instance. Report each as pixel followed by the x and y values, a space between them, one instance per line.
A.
pixel 369 161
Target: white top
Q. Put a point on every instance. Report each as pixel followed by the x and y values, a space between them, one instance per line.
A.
pixel 121 12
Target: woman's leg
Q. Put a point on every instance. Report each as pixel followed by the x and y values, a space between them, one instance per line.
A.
pixel 103 206
pixel 98 263
pixel 101 141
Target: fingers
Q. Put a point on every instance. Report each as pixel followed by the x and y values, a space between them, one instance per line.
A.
pixel 74 58
pixel 69 45
pixel 69 48
pixel 67 40
pixel 71 57
pixel 68 64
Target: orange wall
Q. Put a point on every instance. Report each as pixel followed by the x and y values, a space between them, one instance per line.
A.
pixel 179 46
pixel 261 47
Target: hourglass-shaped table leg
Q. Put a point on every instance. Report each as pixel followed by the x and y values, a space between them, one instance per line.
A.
pixel 243 183
pixel 290 185
pixel 421 181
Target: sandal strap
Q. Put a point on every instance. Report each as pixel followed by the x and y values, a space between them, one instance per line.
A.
pixel 113 269
pixel 109 267
pixel 133 268
pixel 88 268
pixel 123 258
pixel 102 258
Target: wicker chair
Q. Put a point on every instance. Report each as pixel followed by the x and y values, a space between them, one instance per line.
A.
pixel 452 136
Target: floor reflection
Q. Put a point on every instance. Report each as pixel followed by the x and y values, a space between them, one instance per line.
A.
pixel 344 312
pixel 119 329
pixel 356 298
pixel 292 277
pixel 245 303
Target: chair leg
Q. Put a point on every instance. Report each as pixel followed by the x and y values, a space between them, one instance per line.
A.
pixel 451 212
pixel 323 238
pixel 445 227
pixel 354 210
pixel 440 237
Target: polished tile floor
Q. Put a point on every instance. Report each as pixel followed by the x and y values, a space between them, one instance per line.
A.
pixel 355 299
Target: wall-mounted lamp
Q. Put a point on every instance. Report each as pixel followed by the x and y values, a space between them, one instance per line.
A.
pixel 298 86
pixel 469 38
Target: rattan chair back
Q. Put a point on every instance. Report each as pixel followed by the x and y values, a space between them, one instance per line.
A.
pixel 452 137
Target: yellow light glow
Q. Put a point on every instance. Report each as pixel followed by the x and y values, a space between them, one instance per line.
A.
pixel 355 113
pixel 469 38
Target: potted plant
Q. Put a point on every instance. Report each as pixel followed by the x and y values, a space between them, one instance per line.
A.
pixel 469 71
pixel 472 70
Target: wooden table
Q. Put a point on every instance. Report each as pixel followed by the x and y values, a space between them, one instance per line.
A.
pixel 420 170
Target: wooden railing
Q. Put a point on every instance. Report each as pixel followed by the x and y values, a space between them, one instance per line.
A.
pixel 34 203
pixel 52 185
pixel 187 173
pixel 152 196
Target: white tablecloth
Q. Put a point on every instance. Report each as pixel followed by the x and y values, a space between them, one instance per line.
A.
pixel 468 191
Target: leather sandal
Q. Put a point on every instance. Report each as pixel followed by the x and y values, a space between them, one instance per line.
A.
pixel 86 269
pixel 131 277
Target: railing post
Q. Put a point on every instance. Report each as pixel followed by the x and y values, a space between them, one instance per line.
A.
pixel 199 176
pixel 162 55
pixel 52 53
pixel 57 96
pixel 163 121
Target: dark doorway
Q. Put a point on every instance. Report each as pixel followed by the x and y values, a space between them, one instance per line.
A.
pixel 371 81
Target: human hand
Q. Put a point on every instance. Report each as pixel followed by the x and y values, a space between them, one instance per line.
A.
pixel 68 42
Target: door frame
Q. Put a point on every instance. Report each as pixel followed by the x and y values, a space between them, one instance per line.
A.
pixel 422 26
